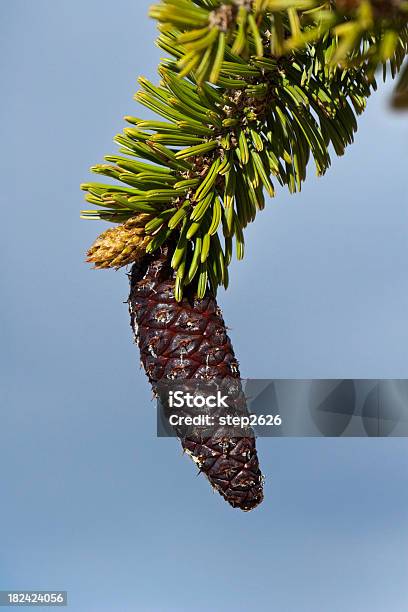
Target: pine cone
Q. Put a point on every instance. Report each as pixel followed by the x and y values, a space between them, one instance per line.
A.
pixel 121 245
pixel 188 340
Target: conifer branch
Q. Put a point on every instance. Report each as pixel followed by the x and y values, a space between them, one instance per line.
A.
pixel 200 171
pixel 197 32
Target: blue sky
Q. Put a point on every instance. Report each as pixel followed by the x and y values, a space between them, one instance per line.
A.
pixel 92 502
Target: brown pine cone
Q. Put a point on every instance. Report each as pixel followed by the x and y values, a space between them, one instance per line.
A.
pixel 188 340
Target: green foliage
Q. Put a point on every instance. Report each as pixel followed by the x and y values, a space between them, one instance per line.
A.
pixel 369 31
pixel 252 91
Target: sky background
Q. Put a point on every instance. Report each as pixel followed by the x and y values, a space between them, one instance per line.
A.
pixel 91 501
